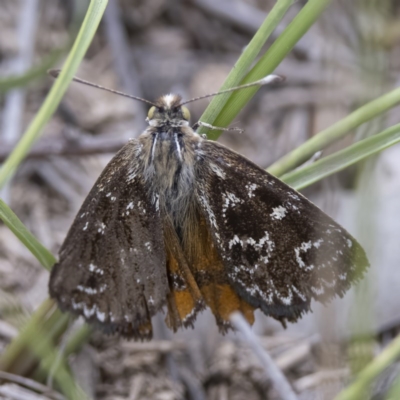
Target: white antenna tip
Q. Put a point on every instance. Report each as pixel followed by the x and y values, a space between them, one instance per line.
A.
pixel 271 79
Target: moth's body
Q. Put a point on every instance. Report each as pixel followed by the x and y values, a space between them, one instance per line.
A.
pixel 168 152
pixel 181 222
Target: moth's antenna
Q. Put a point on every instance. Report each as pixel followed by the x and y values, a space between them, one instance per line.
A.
pixel 261 82
pixel 55 72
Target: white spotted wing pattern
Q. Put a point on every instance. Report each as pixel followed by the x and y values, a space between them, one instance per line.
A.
pixel 179 221
pixel 279 250
pixel 112 263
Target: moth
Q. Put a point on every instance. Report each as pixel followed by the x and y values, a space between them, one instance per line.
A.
pixel 179 222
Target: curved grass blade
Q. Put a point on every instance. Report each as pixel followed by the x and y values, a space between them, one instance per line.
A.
pixel 11 354
pixel 32 74
pixel 306 176
pixel 85 36
pixel 41 345
pixel 358 390
pixel 36 336
pixel 244 62
pixel 17 348
pixel 269 61
pixel 394 391
pixel 21 232
pixel 335 132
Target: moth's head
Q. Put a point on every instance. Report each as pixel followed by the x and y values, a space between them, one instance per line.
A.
pixel 168 109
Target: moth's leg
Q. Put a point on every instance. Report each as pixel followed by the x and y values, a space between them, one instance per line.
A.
pixel 215 128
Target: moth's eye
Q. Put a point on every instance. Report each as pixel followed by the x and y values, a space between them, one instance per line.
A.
pixel 151 112
pixel 185 113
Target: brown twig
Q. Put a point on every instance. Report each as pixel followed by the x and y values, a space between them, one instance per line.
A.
pixel 295 355
pixel 136 386
pixel 160 346
pixel 66 146
pixel 318 378
pixel 31 384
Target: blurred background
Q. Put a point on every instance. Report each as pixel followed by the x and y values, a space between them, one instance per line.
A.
pixel 151 47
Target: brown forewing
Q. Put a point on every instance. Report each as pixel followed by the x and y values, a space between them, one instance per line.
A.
pixel 112 264
pixel 278 249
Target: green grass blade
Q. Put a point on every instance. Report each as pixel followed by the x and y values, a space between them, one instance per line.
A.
pixel 17 348
pixel 32 74
pixel 335 132
pixel 85 35
pixel 358 390
pixel 40 343
pixel 50 356
pixel 394 391
pixel 269 61
pixel 11 354
pixel 246 59
pixel 342 159
pixel 21 232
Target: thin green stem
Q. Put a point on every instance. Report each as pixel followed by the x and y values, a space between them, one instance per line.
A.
pixel 37 71
pixel 15 348
pixel 307 175
pixel 244 62
pixel 34 338
pixel 43 255
pixel 86 33
pixel 269 61
pixel 394 391
pixel 335 132
pixel 359 388
pixel 53 363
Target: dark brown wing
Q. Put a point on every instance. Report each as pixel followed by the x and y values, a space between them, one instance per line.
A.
pixel 279 250
pixel 112 267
